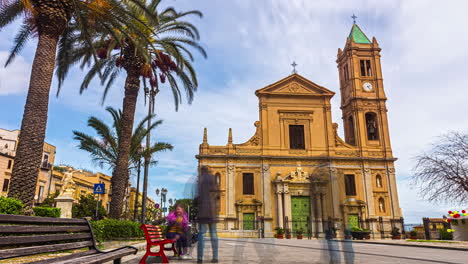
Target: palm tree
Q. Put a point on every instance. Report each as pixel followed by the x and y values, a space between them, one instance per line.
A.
pixel 167 56
pixel 56 24
pixel 104 149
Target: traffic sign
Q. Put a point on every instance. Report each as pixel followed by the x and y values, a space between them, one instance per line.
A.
pixel 165 209
pixel 99 188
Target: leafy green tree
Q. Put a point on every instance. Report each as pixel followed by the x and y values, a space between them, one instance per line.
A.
pixel 57 24
pixel 86 207
pixel 166 56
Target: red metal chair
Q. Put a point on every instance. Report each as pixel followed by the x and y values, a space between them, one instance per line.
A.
pixel 155 237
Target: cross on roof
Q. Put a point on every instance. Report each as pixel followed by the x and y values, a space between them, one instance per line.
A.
pixel 354 18
pixel 294 64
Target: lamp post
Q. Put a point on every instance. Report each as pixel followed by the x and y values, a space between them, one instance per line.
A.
pixel 135 210
pixel 151 93
pixel 163 196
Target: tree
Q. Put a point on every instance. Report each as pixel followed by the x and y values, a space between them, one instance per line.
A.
pixel 56 24
pixel 167 55
pixel 104 149
pixel 86 207
pixel 442 172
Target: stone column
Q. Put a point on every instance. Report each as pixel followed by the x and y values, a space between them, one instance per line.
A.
pixel 369 195
pixel 267 190
pixel 279 205
pixel 231 191
pixel 287 203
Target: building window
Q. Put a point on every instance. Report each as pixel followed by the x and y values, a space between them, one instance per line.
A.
pixel 346 73
pixel 6 183
pixel 296 137
pixel 46 158
pixel 350 185
pixel 371 125
pixel 351 137
pixel 248 183
pixel 10 162
pixel 378 181
pixel 41 192
pixel 366 69
pixel 381 205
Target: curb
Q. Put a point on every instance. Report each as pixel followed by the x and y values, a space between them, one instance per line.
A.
pixel 404 245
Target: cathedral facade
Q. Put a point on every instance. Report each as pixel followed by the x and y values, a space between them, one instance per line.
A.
pixel 295 171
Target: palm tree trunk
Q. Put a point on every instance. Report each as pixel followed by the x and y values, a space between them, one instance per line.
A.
pixel 31 138
pixel 147 160
pixel 120 176
pixel 135 210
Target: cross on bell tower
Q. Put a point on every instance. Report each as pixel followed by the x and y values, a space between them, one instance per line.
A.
pixel 354 18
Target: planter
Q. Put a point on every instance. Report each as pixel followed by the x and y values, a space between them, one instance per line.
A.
pixel 395 237
pixel 299 236
pixel 279 236
pixel 288 236
pixel 413 237
pixel 367 236
pixel 360 235
pixel 348 236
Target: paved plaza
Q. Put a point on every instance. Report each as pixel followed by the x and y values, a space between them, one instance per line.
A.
pixel 233 250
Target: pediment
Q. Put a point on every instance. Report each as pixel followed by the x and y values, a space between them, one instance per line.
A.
pixel 295 84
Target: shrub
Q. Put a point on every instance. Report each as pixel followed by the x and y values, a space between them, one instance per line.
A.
pixel 86 207
pixel 47 211
pixel 109 229
pixel 396 231
pixel 49 201
pixel 413 233
pixel 279 231
pixel 445 234
pixel 10 206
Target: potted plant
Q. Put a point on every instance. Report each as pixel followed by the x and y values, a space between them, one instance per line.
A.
pixel 413 234
pixel 359 233
pixel 299 233
pixel 288 233
pixel 279 233
pixel 396 233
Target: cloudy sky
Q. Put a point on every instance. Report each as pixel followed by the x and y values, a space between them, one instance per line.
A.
pixel 251 44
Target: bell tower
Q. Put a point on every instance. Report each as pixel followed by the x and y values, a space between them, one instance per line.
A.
pixel 363 97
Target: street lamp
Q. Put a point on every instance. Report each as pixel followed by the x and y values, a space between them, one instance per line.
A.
pixel 163 196
pixel 135 210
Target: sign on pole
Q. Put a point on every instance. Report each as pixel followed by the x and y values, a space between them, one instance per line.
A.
pixel 99 188
pixel 165 209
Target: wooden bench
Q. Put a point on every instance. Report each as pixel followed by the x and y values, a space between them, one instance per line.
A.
pixel 154 237
pixel 27 235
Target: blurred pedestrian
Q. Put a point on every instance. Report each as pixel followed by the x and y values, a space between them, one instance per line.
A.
pixel 207 193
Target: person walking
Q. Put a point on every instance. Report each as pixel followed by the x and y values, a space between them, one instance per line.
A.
pixel 207 193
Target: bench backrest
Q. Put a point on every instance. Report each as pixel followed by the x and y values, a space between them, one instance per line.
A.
pixel 152 233
pixel 28 235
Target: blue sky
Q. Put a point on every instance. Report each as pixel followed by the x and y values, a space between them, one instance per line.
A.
pixel 251 44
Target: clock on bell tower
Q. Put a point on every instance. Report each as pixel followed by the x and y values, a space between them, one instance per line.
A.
pixel 363 97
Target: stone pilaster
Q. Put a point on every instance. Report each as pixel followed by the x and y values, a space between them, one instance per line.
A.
pixel 231 191
pixel 334 190
pixel 266 190
pixel 279 205
pixel 393 192
pixel 287 203
pixel 370 193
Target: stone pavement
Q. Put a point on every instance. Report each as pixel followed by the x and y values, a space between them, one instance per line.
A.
pixel 233 250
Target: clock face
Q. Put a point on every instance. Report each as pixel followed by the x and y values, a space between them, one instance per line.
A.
pixel 367 86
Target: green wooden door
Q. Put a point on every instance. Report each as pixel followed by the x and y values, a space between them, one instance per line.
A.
pixel 248 221
pixel 353 221
pixel 300 210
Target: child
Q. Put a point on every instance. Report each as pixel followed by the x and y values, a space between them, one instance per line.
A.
pixel 177 227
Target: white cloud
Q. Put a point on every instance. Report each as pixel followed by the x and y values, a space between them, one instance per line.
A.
pixel 14 79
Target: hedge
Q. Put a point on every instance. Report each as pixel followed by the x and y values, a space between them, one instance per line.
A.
pixel 10 206
pixel 47 211
pixel 109 229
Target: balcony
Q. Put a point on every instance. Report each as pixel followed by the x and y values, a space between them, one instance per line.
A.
pixel 8 152
pixel 46 166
